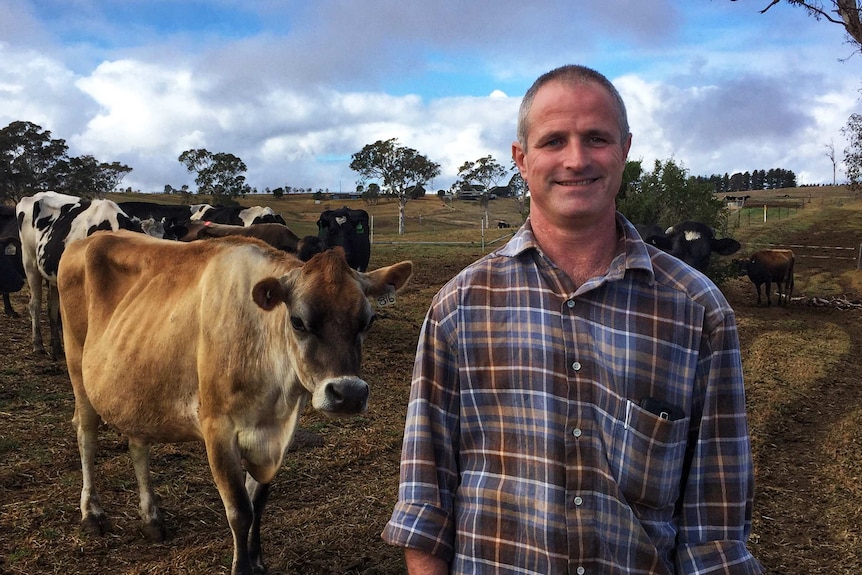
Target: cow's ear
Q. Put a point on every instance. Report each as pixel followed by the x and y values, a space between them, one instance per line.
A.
pixel 388 279
pixel 268 293
pixel 725 246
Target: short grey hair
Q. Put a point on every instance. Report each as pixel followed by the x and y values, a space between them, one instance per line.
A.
pixel 570 75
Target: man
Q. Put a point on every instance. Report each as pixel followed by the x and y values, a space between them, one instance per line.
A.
pixel 577 402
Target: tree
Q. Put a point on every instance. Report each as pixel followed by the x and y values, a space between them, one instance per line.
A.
pixel 484 171
pixel 830 153
pixel 29 158
pixel 632 173
pixel 399 168
pixel 86 177
pixel 845 13
pixel 371 194
pixel 853 152
pixel 668 195
pixel 219 175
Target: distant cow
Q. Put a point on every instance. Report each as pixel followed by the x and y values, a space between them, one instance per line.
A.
pixel 278 236
pixel 349 229
pixel 767 266
pixel 11 270
pixel 47 223
pixel 502 225
pixel 237 215
pixel 693 243
pixel 169 215
pixel 11 267
pixel 222 341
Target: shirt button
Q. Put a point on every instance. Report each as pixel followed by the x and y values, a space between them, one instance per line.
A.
pixel 570 303
pixel 576 366
pixel 576 432
pixel 581 571
pixel 578 501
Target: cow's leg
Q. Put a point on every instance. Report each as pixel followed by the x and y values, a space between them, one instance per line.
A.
pixel 768 293
pixel 86 421
pixel 259 494
pixel 225 464
pixel 758 293
pixel 54 322
pixel 7 306
pixel 153 526
pixel 34 281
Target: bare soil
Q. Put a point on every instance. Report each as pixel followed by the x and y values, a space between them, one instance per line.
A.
pixel 338 485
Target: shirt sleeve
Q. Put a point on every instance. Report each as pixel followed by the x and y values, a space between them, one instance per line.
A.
pixel 423 516
pixel 715 515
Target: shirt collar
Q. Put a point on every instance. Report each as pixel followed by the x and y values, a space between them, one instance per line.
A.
pixel 632 252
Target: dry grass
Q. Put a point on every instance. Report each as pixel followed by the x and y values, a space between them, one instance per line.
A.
pixel 338 485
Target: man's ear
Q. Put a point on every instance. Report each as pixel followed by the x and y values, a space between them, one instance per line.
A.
pixel 518 154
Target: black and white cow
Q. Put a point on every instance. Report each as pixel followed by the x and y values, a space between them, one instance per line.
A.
pixel 47 223
pixel 168 215
pixel 349 229
pixel 11 268
pixel 692 242
pixel 237 215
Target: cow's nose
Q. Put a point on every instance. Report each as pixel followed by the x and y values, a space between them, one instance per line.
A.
pixel 346 395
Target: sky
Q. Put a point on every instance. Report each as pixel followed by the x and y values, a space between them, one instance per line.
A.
pixel 295 87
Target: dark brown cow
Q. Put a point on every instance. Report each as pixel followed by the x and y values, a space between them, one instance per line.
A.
pixel 222 341
pixel 767 266
pixel 276 235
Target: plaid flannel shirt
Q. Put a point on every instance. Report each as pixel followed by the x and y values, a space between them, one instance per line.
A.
pixel 526 448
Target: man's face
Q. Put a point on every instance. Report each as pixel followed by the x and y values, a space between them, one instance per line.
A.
pixel 574 158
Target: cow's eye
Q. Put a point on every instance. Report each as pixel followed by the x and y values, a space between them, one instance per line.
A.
pixel 297 323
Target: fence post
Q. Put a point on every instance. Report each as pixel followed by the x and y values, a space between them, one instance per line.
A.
pixel 764 213
pixel 482 226
pixel 859 259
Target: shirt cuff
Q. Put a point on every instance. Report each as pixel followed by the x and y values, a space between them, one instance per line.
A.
pixel 422 527
pixel 713 557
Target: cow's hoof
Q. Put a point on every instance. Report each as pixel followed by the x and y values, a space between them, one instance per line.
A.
pixel 154 531
pixel 96 525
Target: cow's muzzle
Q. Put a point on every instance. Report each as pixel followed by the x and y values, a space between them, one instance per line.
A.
pixel 342 396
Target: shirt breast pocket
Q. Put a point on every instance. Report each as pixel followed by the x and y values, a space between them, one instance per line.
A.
pixel 647 456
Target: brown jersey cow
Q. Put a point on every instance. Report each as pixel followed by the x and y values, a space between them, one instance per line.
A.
pixel 222 341
pixel 767 266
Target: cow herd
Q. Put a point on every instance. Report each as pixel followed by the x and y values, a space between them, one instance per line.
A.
pixel 218 324
pixel 197 323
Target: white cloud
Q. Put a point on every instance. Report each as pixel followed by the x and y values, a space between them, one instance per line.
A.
pixel 298 88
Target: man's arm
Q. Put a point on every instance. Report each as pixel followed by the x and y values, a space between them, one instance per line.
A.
pixel 421 563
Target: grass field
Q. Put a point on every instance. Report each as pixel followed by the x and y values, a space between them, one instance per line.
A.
pixel 338 484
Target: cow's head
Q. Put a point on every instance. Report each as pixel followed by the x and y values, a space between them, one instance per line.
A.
pixel 741 266
pixel 328 317
pixel 11 266
pixel 694 243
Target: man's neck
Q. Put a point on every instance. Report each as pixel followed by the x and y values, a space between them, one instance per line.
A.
pixel 581 251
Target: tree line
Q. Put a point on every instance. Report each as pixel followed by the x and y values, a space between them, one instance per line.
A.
pixel 773 179
pixel 31 160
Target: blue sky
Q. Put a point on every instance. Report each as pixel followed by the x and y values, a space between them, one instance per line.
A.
pixel 295 87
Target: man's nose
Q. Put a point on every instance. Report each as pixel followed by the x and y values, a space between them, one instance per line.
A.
pixel 576 155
